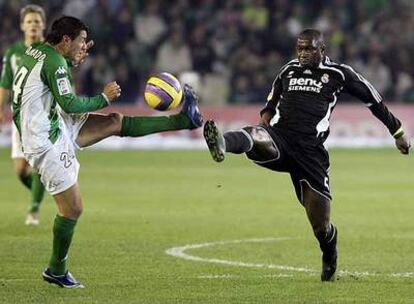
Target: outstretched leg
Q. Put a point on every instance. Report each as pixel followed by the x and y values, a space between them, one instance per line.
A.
pixel 318 210
pixel 98 126
pixel 253 140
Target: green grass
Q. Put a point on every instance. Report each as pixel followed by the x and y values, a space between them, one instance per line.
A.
pixel 139 204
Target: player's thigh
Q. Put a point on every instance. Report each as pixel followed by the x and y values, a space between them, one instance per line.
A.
pixel 264 149
pixel 98 127
pixel 69 202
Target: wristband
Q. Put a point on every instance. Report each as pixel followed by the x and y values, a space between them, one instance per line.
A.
pixel 106 98
pixel 398 133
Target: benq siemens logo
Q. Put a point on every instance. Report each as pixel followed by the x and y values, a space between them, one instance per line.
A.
pixel 305 84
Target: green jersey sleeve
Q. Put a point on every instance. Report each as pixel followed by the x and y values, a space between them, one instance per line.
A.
pixel 6 79
pixel 56 75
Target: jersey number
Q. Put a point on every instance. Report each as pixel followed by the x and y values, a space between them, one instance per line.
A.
pixel 19 79
pixel 66 158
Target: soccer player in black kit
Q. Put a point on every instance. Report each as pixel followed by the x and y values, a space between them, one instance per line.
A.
pixel 295 124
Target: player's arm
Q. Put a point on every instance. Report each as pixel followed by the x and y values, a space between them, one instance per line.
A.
pixel 269 110
pixel 55 75
pixel 359 87
pixel 6 81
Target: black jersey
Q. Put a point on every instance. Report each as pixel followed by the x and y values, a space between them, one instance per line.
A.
pixel 302 99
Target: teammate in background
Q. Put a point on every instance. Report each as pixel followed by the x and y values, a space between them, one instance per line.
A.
pixel 32 24
pixel 294 126
pixel 50 136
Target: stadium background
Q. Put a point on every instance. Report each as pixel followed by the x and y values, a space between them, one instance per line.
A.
pixel 230 51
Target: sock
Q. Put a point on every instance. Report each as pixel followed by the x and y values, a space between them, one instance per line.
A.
pixel 327 242
pixel 62 236
pixel 238 141
pixel 26 180
pixel 38 190
pixel 141 126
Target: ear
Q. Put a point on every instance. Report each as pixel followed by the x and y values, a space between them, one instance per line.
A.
pixel 66 39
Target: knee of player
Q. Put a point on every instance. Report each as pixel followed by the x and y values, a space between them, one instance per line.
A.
pixel 76 211
pixel 320 230
pixel 116 120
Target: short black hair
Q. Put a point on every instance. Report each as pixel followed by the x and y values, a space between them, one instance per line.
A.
pixel 65 25
pixel 310 34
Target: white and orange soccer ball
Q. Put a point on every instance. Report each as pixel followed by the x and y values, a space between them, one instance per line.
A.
pixel 163 92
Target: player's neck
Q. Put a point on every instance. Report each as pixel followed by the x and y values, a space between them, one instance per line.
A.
pixel 28 41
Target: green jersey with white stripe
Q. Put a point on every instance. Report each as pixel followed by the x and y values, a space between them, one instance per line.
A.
pixel 11 60
pixel 42 87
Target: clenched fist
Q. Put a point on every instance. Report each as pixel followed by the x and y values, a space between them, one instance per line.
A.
pixel 403 145
pixel 112 90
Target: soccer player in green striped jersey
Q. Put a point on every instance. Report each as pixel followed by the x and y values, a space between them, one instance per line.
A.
pixel 53 122
pixel 32 24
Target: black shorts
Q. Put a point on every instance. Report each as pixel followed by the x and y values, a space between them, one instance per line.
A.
pixel 306 161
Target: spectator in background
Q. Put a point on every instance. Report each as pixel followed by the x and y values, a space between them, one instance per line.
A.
pixel 255 16
pixel 202 52
pixel 174 54
pixel 149 26
pixel 377 72
pixel 242 92
pixel 212 33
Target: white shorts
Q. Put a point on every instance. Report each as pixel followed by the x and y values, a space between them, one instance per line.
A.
pixel 16 151
pixel 58 166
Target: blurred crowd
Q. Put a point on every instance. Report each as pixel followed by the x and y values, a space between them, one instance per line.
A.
pixel 231 49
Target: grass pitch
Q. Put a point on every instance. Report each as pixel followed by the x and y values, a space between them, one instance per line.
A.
pixel 139 204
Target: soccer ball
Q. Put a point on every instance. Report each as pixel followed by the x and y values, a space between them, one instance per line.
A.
pixel 163 92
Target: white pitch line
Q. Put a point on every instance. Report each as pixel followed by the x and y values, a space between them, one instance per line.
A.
pixel 233 276
pixel 179 252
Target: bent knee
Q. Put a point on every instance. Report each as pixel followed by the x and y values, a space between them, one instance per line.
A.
pixel 75 211
pixel 116 122
pixel 116 118
pixel 264 148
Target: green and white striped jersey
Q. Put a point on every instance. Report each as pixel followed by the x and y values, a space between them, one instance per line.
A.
pixel 42 83
pixel 11 60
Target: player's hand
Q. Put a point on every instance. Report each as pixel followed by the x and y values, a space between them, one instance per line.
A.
pixel 403 145
pixel 266 118
pixel 81 56
pixel 112 90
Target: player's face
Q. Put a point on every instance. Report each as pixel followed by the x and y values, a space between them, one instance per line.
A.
pixel 309 52
pixel 77 45
pixel 33 26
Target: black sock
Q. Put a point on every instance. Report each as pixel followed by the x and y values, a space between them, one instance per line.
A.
pixel 238 142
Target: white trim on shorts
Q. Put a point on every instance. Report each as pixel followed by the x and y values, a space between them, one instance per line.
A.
pixel 301 191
